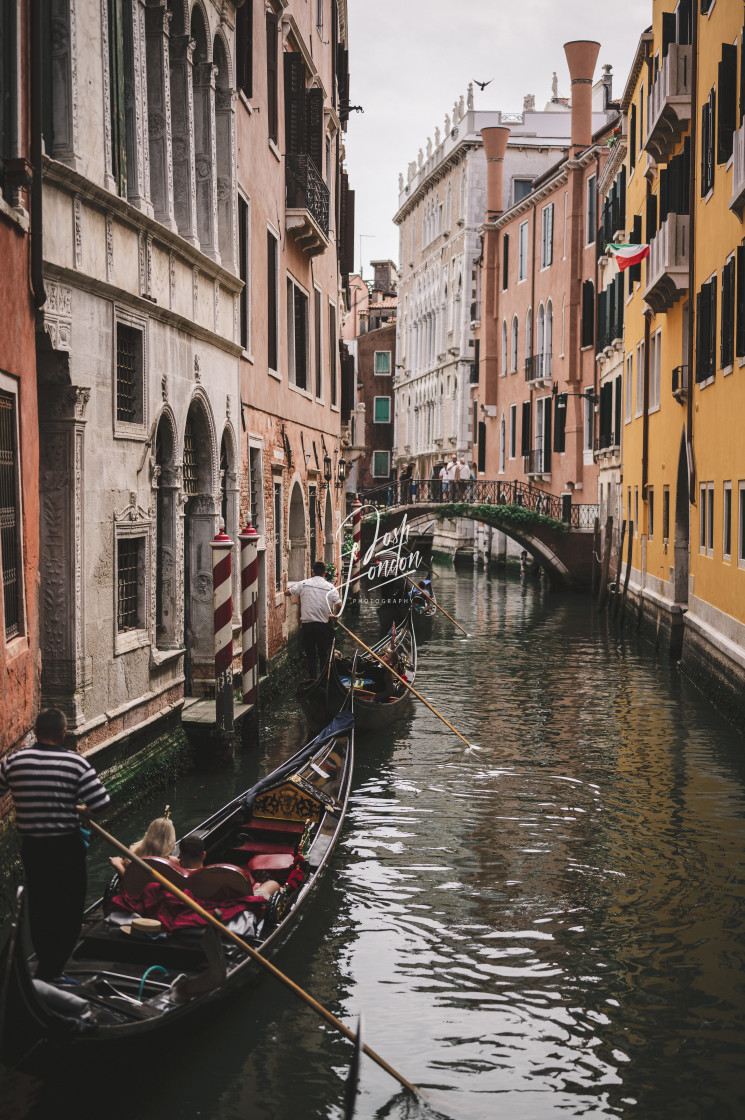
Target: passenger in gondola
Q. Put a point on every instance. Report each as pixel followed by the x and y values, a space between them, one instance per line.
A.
pixel 191 856
pixel 159 840
pixel 418 596
pixel 388 689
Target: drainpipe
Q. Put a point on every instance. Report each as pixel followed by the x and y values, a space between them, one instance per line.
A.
pixel 37 271
pixel 692 255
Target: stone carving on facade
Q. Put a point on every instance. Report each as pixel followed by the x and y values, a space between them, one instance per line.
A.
pixel 216 288
pixel 55 318
pixel 164 386
pixel 109 248
pixel 65 402
pixel 197 372
pixel 437 137
pixel 131 512
pixel 461 108
pixel 202 505
pixel 554 86
pixel 201 586
pixel 227 406
pixel 143 265
pixel 236 318
pixel 447 124
pixel 400 182
pixel 469 96
pixel 411 170
pixel 77 231
pixel 105 73
pixel 149 264
pixel 172 278
pixel 429 147
pixel 195 293
pixel 529 103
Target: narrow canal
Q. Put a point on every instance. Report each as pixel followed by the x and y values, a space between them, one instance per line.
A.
pixel 552 925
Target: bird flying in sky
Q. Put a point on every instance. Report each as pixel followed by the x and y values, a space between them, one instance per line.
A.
pixel 482 85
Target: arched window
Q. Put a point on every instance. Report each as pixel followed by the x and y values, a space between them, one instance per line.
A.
pixel 513 347
pixel 504 346
pixel 549 339
pixel 529 334
pixel 540 340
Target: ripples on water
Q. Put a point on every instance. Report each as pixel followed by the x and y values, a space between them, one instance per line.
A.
pixel 550 925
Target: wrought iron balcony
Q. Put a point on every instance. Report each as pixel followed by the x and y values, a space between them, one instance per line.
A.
pixel 667 263
pixel 737 202
pixel 307 204
pixel 606 442
pixel 537 461
pixel 538 367
pixel 669 104
pixel 680 383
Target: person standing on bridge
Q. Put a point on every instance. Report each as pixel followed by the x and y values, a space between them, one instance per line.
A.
pixel 405 478
pixel 318 600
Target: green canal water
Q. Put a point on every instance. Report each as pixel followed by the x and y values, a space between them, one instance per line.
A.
pixel 551 925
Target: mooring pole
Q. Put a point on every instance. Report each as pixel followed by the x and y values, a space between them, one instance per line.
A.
pixel 222 548
pixel 249 598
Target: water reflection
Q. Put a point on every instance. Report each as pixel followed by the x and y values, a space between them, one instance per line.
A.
pixel 551 925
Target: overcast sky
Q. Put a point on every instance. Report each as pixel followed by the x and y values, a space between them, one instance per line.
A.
pixel 410 60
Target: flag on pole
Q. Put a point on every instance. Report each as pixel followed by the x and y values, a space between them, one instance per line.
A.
pixel 626 255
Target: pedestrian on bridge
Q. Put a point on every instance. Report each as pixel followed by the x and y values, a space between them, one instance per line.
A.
pixel 405 479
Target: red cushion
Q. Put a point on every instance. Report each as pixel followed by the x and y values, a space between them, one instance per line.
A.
pixel 271 866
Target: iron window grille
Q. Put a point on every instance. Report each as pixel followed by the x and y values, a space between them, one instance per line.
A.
pixel 129 550
pixel 190 461
pixel 9 516
pixel 128 374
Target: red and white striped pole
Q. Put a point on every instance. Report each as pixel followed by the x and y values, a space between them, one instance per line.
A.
pixel 222 548
pixel 249 599
pixel 356 544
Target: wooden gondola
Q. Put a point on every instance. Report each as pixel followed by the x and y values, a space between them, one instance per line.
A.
pixel 322 697
pixel 135 989
pixel 423 611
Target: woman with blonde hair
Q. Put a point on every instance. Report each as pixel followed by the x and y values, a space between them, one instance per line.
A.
pixel 159 840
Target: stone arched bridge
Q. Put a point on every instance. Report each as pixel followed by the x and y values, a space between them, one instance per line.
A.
pixel 557 532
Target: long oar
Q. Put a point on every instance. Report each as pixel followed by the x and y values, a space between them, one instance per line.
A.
pixel 404 682
pixel 428 596
pixel 424 562
pixel 265 964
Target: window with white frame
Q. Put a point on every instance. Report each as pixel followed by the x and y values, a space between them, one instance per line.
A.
pixel 11 521
pixel 382 410
pixel 589 424
pixel 650 512
pixel 297 334
pixel 521 188
pixel 629 384
pixel 547 235
pixel 504 347
pixel 702 518
pixel 522 252
pixel 513 431
pixel 741 524
pixel 591 211
pixel 318 340
pixel 381 464
pixel 710 519
pixel 129 381
pixel 244 269
pixel 502 443
pixel 727 521
pixel 639 379
pixel 272 302
pixel 636 511
pixel 382 363
pixel 319 15
pixel 513 346
pixel 655 364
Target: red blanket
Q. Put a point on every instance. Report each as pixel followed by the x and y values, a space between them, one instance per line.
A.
pixel 156 902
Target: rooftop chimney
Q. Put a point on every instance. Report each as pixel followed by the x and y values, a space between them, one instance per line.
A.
pixel 495 144
pixel 582 54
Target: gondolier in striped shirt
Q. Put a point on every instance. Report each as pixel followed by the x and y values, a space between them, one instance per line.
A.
pixel 50 786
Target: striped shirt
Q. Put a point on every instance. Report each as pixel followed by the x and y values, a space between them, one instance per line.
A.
pixel 47 783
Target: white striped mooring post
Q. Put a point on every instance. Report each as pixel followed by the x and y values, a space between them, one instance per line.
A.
pixel 249 599
pixel 356 544
pixel 222 549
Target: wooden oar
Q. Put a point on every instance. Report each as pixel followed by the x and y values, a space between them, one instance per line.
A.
pixel 257 957
pixel 424 562
pixel 404 682
pixel 428 596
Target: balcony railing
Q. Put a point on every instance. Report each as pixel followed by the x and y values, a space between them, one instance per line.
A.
pixel 307 203
pixel 537 461
pixel 538 367
pixel 737 202
pixel 605 441
pixel 669 104
pixel 680 383
pixel 667 264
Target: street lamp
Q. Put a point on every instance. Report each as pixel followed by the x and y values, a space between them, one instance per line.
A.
pixel 327 467
pixel 588 395
pixel 342 469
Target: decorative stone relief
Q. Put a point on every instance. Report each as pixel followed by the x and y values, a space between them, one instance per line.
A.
pixel 109 248
pixel 197 373
pixel 77 231
pixel 132 512
pixel 195 293
pixel 149 264
pixel 227 406
pixel 172 279
pixel 216 288
pixel 201 586
pixel 143 265
pixel 105 74
pixel 164 386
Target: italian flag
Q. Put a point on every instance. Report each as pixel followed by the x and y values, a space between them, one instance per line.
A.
pixel 626 255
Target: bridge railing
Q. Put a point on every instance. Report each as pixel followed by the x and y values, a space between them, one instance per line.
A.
pixel 427 491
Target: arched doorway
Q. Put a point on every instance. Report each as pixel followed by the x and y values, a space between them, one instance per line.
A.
pixel 167 484
pixel 328 530
pixel 296 532
pixel 681 547
pixel 200 523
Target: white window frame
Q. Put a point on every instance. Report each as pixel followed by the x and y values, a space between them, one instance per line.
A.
pixel 547 246
pixel 375 404
pixel 639 409
pixel 295 286
pixel 504 348
pixel 122 428
pixel 589 425
pixel 629 387
pixel 650 513
pixel 513 431
pixel 710 519
pixel 522 252
pixel 702 518
pixel 278 304
pixel 388 461
pixel 741 524
pixel 591 201
pixel 376 371
pixel 655 367
pixel 514 343
pixel 726 520
pixel 502 444
pixel 318 331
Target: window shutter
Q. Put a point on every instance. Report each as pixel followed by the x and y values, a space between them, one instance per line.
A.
pixel 664 195
pixel 632 138
pixel 740 313
pixel 560 419
pixel 482 446
pixel 547 435
pixel 651 215
pixel 684 22
pixel 621 199
pixel 619 397
pixel 727 86
pixel 699 335
pixel 244 44
pixel 525 432
pixel 550 234
pixel 294 103
pixel 603 325
pixel 314 126
pixel 742 75
pixel 635 271
pixel 712 344
pixel 588 313
pixel 505 259
pixel 272 32
pixel 668 31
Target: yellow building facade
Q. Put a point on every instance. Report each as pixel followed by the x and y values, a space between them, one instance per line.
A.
pixel 684 338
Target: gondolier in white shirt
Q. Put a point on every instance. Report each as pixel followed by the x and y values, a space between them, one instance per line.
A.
pixel 318 600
